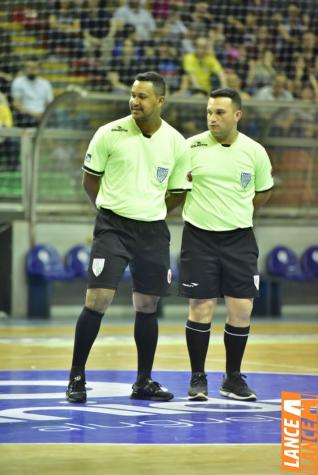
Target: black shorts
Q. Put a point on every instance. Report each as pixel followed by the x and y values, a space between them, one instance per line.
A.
pixel 218 263
pixel 121 241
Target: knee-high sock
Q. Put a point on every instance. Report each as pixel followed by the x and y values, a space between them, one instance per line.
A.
pixel 235 339
pixel 87 328
pixel 198 338
pixel 146 338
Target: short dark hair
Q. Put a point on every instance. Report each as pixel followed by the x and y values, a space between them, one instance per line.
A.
pixel 157 81
pixel 228 92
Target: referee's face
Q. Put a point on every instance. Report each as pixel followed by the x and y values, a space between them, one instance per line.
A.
pixel 144 103
pixel 222 118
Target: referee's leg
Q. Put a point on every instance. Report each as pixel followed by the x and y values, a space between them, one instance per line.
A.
pixel 146 338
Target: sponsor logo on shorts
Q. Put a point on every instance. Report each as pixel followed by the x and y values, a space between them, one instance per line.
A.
pixel 245 178
pixel 299 434
pixel 256 281
pixel 190 284
pixel 162 174
pixel 88 157
pixel 98 266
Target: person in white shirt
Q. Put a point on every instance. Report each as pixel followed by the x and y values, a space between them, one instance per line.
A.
pixel 134 14
pixel 31 95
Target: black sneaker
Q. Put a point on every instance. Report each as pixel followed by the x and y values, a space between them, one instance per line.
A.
pixel 235 387
pixel 198 389
pixel 76 391
pixel 150 390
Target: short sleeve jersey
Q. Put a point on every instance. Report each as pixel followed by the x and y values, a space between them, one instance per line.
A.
pixel 224 182
pixel 136 171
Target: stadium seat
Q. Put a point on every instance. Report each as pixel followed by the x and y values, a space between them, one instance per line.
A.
pixel 43 266
pixel 43 261
pixel 283 262
pixel 77 260
pixel 309 261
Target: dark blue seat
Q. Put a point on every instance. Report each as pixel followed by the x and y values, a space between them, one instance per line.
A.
pixel 43 261
pixel 77 260
pixel 43 266
pixel 309 261
pixel 283 262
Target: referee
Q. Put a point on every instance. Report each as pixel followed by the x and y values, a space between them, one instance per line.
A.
pixel 231 175
pixel 135 170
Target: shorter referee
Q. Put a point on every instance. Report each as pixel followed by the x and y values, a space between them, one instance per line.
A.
pixel 231 175
pixel 129 167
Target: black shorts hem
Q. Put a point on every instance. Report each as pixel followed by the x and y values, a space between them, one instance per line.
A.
pixel 155 294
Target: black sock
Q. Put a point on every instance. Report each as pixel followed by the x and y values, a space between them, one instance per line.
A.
pixel 86 331
pixel 146 338
pixel 235 339
pixel 198 337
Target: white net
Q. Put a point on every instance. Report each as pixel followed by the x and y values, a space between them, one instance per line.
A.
pixel 267 49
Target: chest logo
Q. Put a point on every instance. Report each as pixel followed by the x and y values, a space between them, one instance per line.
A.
pixel 162 174
pixel 245 178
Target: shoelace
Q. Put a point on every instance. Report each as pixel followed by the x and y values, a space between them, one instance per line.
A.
pixel 198 378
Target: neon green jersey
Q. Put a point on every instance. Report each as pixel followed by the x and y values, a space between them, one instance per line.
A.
pixel 135 170
pixel 224 182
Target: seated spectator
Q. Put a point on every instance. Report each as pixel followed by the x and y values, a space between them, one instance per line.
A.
pixel 94 25
pixel 64 33
pixel 261 71
pixel 233 81
pixel 8 146
pixel 165 59
pixel 174 26
pixel 290 32
pixel 31 95
pixel 9 65
pixel 134 14
pixel 276 91
pixel 124 68
pixel 201 18
pixel 202 68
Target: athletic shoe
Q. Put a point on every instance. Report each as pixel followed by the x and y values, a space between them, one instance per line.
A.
pixel 235 387
pixel 76 391
pixel 198 389
pixel 150 390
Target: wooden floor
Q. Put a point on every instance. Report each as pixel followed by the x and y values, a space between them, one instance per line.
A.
pixel 275 346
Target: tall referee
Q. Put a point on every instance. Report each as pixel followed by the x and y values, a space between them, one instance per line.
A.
pixel 231 175
pixel 129 167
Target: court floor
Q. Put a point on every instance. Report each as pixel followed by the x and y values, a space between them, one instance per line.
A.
pixel 110 434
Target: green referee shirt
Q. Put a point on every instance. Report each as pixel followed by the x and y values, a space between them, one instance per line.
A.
pixel 224 182
pixel 135 170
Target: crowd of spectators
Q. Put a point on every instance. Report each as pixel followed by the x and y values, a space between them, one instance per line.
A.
pixel 265 48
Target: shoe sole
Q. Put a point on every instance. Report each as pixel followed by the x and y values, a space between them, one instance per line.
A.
pixel 198 397
pixel 75 400
pixel 228 394
pixel 151 398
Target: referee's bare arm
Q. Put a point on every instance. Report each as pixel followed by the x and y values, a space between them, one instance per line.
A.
pixel 91 185
pixel 175 199
pixel 261 197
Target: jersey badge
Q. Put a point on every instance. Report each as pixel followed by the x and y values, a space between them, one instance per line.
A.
pixel 88 157
pixel 98 266
pixel 245 178
pixel 162 174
